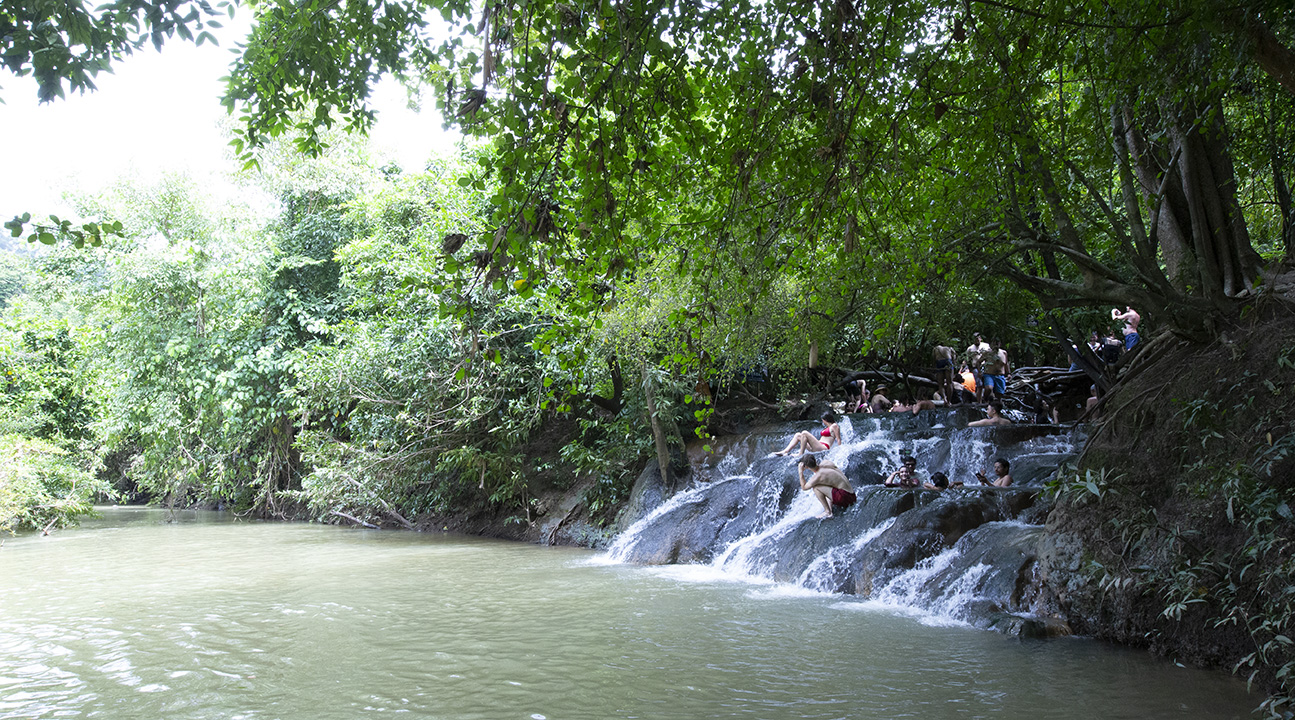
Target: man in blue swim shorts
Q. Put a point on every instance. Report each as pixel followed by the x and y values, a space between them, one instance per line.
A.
pixel 996 370
pixel 1131 319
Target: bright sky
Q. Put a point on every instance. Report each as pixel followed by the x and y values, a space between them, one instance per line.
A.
pixel 157 112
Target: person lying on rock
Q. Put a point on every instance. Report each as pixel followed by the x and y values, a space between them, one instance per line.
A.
pixel 994 411
pixel 827 483
pixel 1002 474
pixel 913 407
pixel 905 476
pixel 807 441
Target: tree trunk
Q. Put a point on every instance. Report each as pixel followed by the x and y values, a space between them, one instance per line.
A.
pixel 1277 154
pixel 1226 262
pixel 658 433
pixel 1287 211
pixel 1166 205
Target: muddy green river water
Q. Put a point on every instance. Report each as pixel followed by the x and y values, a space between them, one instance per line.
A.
pixel 143 614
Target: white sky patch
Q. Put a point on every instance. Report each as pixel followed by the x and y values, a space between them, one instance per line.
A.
pixel 159 112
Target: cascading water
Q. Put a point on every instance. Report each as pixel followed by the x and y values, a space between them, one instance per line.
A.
pixel 964 554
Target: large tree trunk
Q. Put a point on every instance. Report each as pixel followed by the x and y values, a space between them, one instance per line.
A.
pixel 1189 186
pixel 1287 210
pixel 1226 263
pixel 1166 205
pixel 1277 155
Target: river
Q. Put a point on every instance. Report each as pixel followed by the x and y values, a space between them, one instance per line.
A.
pixel 144 614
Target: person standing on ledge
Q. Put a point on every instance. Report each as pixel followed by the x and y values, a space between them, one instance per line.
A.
pixel 827 483
pixel 1131 319
pixel 944 357
pixel 995 371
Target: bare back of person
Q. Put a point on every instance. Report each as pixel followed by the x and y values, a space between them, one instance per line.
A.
pixel 828 483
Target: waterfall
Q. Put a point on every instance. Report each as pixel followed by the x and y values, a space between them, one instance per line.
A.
pixel 964 555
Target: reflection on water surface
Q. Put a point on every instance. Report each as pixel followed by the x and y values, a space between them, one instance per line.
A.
pixel 135 617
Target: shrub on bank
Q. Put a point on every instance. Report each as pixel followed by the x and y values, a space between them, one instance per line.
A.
pixel 42 485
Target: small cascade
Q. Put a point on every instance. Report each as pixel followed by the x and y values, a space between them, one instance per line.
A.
pixel 629 538
pixel 963 555
pixel 827 570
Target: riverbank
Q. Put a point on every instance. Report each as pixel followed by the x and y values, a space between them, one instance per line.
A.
pixel 1177 535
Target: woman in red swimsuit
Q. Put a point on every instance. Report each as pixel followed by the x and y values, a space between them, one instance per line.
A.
pixel 807 441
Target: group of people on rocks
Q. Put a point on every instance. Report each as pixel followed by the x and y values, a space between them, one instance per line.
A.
pixel 980 376
pixel 1108 349
pixel 833 490
pixel 906 476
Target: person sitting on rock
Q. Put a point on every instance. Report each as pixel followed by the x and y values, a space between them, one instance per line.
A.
pixel 809 442
pixel 828 484
pixel 922 405
pixel 1002 474
pixel 1045 408
pixel 905 476
pixel 879 401
pixel 994 411
pixel 1111 348
pixel 939 481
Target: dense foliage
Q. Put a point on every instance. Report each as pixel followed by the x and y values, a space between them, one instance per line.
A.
pixel 671 196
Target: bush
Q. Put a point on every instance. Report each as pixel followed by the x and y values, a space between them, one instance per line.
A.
pixel 42 485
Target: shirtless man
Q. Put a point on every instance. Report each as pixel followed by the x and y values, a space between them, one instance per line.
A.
pixel 944 368
pixel 827 483
pixel 1131 319
pixel 879 401
pixel 994 411
pixel 995 371
pixel 1002 476
pixel 976 355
